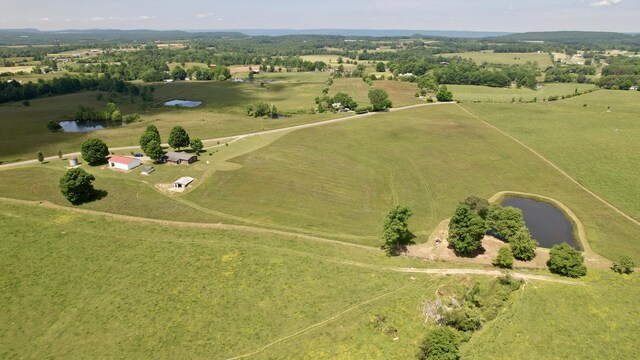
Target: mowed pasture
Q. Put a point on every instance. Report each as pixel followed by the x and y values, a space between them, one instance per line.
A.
pixel 471 93
pixel 480 57
pixel 593 137
pixel 340 180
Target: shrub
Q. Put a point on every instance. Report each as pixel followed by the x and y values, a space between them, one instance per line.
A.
pixel 441 343
pixel 504 258
pixel 624 265
pixel 566 261
pixel 464 319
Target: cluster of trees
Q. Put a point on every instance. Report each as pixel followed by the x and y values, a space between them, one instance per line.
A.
pixel 150 143
pixel 219 73
pixel 260 109
pixel 621 73
pixel 15 91
pixel 474 217
pixel 569 73
pixel 111 112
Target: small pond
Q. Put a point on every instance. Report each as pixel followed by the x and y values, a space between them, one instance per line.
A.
pixel 183 103
pixel 547 224
pixel 88 125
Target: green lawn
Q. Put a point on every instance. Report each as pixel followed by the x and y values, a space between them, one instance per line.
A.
pixel 599 148
pixel 479 57
pixel 471 93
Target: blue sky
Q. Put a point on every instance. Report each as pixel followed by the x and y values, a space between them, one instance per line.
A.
pixel 480 15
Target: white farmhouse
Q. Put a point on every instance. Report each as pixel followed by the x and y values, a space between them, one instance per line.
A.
pixel 123 162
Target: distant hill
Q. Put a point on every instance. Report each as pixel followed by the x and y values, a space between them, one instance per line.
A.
pixel 575 37
pixel 368 32
pixel 96 36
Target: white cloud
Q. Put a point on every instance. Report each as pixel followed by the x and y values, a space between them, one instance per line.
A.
pixel 97 18
pixel 44 19
pixel 145 17
pixel 68 19
pixel 605 3
pixel 205 15
pixel 117 18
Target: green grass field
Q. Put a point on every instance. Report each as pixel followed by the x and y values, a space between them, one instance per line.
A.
pixel 222 114
pixel 428 159
pixel 470 93
pixel 67 284
pixel 479 57
pixel 552 321
pixel 599 148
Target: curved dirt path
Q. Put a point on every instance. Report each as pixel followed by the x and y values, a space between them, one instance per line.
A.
pixel 243 136
pixel 564 173
pixel 250 229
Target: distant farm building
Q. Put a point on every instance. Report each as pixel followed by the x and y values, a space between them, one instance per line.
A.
pixel 179 158
pixel 183 182
pixel 147 170
pixel 123 162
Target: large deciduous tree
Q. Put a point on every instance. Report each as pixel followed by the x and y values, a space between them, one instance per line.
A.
pixel 566 261
pixel 178 138
pixel 466 230
pixel 395 233
pixel 148 136
pixel 444 94
pixel 197 145
pixel 345 100
pixel 154 151
pixel 94 151
pixel 76 185
pixel 504 221
pixel 379 99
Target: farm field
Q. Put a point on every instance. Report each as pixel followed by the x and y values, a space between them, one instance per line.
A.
pixel 596 146
pixel 221 115
pixel 471 93
pixel 479 57
pixel 427 159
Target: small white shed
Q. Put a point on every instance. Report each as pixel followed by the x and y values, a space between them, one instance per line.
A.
pixel 123 162
pixel 183 182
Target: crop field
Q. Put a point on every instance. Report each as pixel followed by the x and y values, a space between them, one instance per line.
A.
pixel 594 137
pixel 479 57
pixel 470 93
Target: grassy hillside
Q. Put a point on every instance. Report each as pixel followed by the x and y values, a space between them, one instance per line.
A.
pixel 340 180
pixel 471 93
pixel 594 137
pixel 479 57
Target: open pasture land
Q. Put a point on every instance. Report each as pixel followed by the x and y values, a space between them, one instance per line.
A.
pixel 471 93
pixel 15 69
pixel 340 180
pixel 67 284
pixel 553 321
pixel 220 115
pixel 33 77
pixel 187 65
pixel 594 137
pixel 400 93
pixel 479 57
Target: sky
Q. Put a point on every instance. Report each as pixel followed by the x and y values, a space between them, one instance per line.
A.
pixel 464 15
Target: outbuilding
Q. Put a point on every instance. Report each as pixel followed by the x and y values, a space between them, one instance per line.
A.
pixel 147 170
pixel 179 158
pixel 183 182
pixel 123 162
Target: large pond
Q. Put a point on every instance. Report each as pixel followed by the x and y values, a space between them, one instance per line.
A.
pixel 88 125
pixel 547 224
pixel 183 103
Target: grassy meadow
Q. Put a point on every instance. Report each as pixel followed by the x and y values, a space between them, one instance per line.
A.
pixel 471 93
pixel 593 137
pixel 480 57
pixel 427 158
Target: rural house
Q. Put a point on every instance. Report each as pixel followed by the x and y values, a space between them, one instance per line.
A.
pixel 179 158
pixel 123 162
